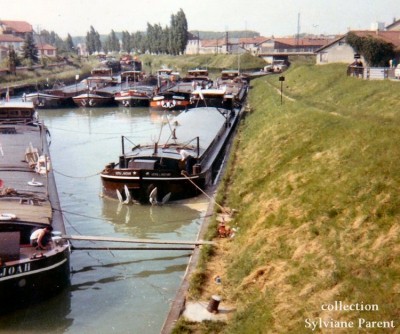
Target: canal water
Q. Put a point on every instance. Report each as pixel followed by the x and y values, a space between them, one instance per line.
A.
pixel 111 291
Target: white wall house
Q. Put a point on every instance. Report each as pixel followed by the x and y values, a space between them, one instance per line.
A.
pixel 337 51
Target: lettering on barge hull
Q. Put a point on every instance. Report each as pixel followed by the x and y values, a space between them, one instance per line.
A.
pixel 158 174
pixel 14 270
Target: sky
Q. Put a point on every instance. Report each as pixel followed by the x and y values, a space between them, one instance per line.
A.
pixel 268 17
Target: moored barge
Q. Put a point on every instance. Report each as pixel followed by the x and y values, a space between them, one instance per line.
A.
pixel 28 202
pixel 201 132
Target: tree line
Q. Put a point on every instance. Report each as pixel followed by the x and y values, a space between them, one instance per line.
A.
pixel 156 39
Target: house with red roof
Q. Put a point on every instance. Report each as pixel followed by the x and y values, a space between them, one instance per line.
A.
pixel 395 26
pixel 9 40
pixel 45 50
pixel 15 28
pixel 338 51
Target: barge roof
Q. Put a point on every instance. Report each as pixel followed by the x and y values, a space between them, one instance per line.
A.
pixel 30 196
pixel 205 123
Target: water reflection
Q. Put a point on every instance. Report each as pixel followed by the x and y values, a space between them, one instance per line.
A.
pixel 41 317
pixel 146 221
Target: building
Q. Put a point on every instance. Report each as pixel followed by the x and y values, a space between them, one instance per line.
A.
pixel 395 26
pixel 338 51
pixel 15 28
pixel 206 46
pixel 251 44
pixel 81 50
pixel 9 40
pixel 3 53
pixel 281 48
pixel 46 50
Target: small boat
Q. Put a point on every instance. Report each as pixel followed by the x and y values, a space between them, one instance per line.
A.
pixel 59 96
pixel 178 97
pixel 28 201
pixel 101 87
pixel 93 100
pixel 213 97
pixel 135 96
pixel 235 84
pixel 45 100
pixel 138 90
pixel 172 99
pixel 201 132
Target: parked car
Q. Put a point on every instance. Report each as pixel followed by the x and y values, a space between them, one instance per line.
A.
pixel 279 65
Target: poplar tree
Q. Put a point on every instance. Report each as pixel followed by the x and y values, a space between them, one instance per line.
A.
pixel 69 44
pixel 126 42
pixel 12 60
pixel 93 42
pixel 29 49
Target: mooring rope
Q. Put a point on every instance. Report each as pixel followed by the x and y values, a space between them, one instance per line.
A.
pixel 75 177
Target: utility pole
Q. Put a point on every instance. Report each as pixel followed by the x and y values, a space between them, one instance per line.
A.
pixel 298 31
pixel 198 41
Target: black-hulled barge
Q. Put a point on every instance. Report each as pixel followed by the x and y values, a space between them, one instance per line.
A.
pixel 203 132
pixel 28 201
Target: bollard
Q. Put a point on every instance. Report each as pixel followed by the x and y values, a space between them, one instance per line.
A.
pixel 213 304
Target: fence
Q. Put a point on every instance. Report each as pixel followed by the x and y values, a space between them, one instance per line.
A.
pixel 371 73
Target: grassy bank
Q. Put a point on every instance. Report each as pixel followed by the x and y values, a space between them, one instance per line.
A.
pixel 214 63
pixel 316 185
pixel 46 77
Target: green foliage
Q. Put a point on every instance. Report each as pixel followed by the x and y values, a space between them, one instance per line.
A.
pixel 13 60
pixel 214 63
pixel 256 318
pixel 112 43
pixel 375 51
pixel 93 42
pixel 315 183
pixel 127 41
pixel 30 50
pixel 69 44
pixel 206 327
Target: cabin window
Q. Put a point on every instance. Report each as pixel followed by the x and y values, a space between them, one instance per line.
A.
pixel 8 130
pixel 142 164
pixel 13 113
pixel 26 113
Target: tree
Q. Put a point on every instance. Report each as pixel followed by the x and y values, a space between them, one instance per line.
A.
pixel 179 32
pixel 13 60
pixel 114 42
pixel 182 29
pixel 139 42
pixel 69 44
pixel 126 42
pixel 375 51
pixel 166 41
pixel 150 38
pixel 29 49
pixel 93 42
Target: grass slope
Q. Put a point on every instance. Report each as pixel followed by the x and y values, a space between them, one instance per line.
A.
pixel 316 182
pixel 214 63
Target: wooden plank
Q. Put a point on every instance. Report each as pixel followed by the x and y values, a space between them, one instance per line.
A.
pixel 137 241
pixel 185 248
